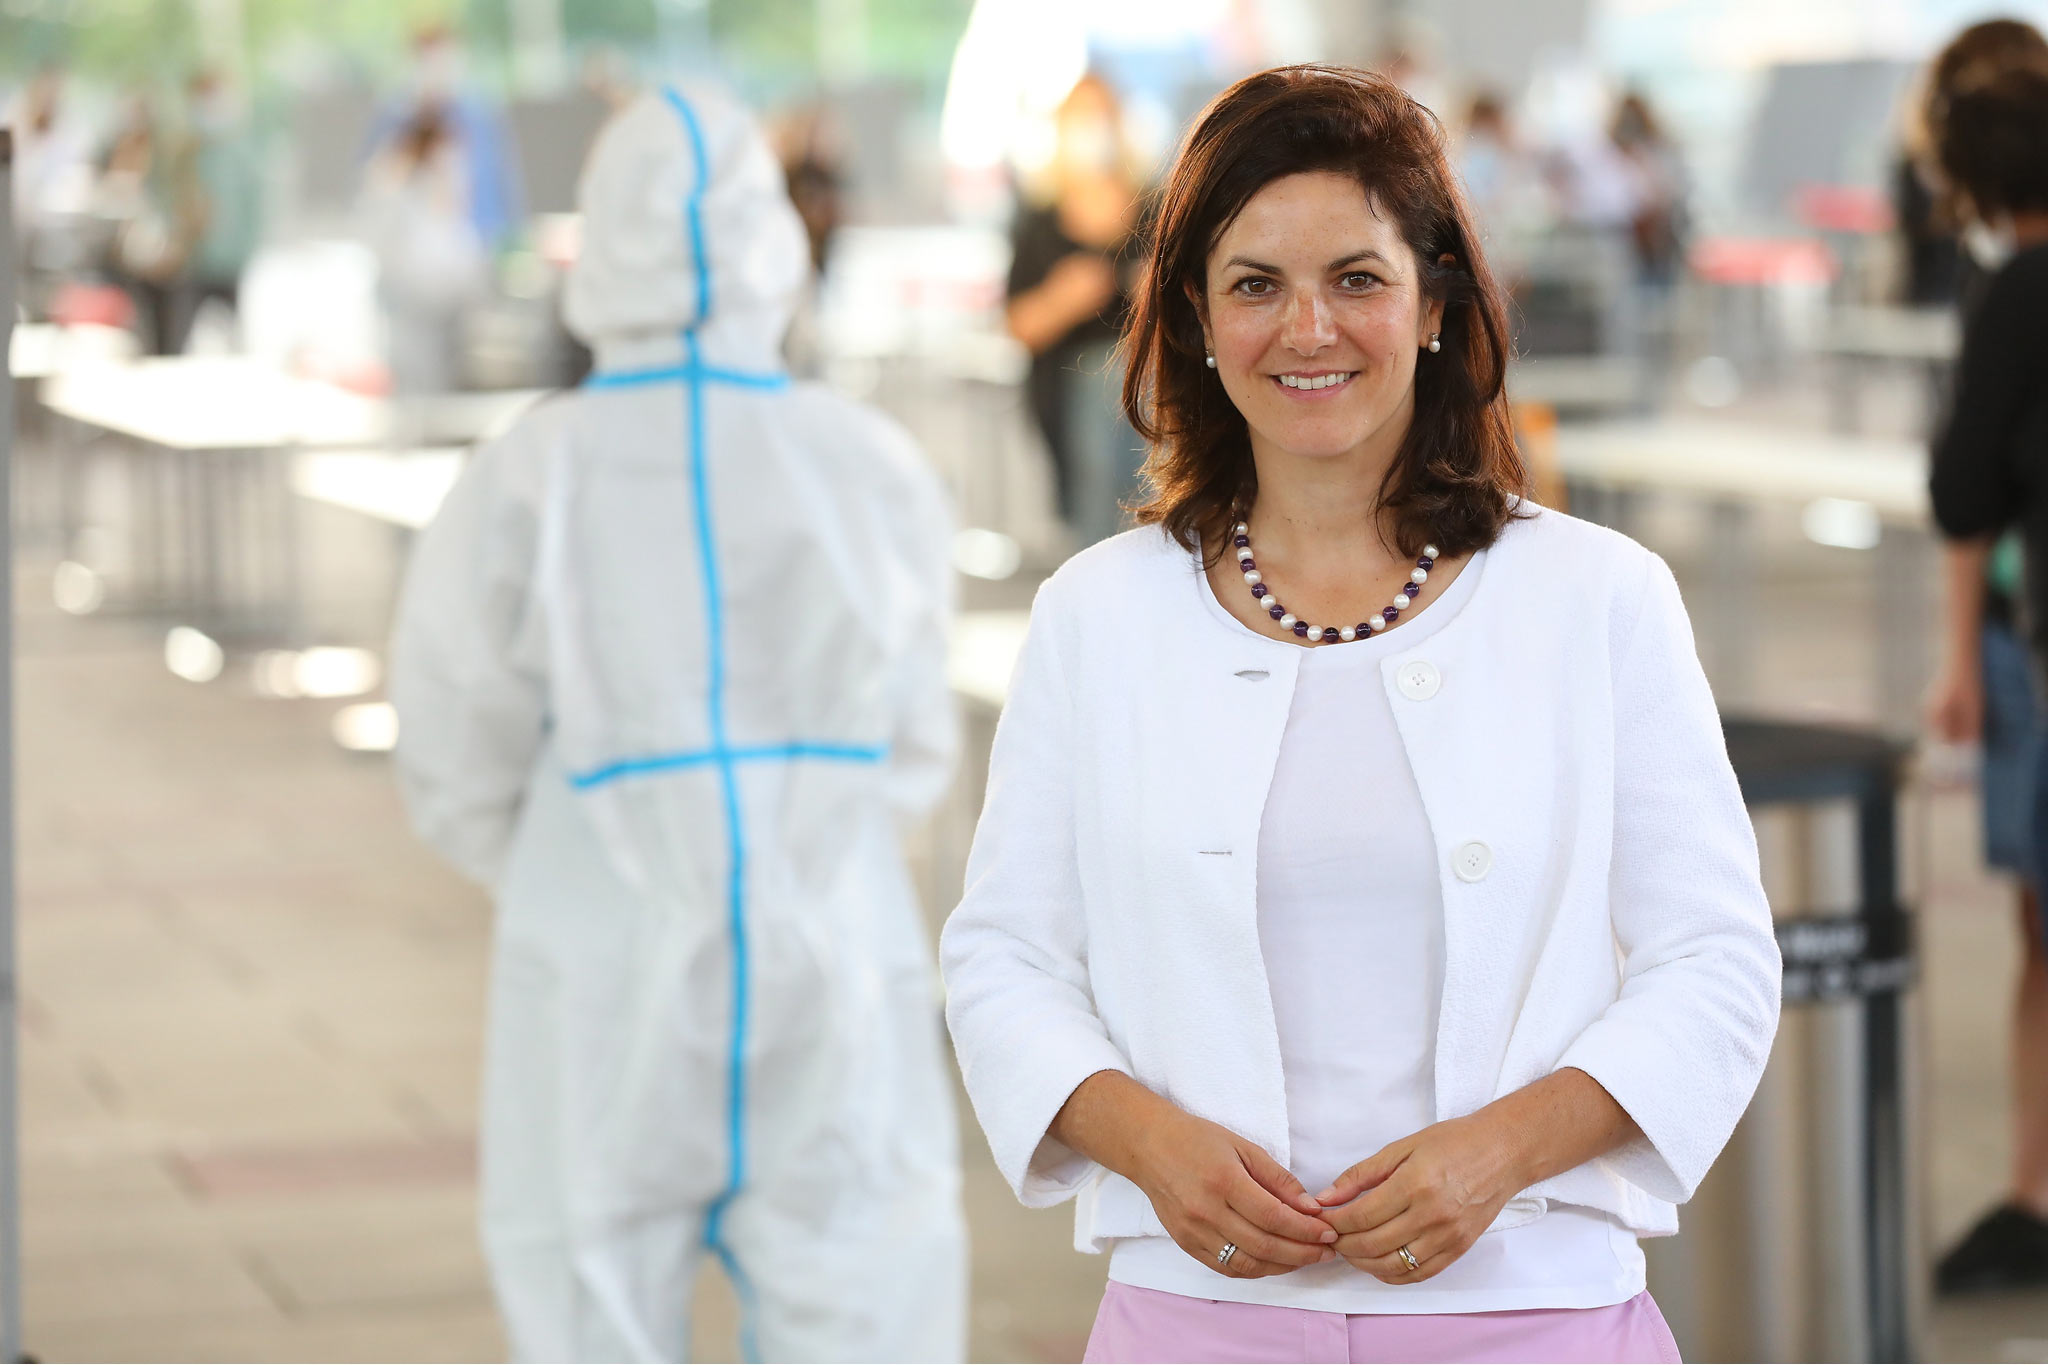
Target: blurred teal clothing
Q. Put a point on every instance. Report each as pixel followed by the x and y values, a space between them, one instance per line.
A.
pixel 225 165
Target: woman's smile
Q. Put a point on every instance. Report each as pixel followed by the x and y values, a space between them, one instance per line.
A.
pixel 1314 385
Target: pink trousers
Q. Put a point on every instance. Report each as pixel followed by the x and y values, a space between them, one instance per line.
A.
pixel 1139 1325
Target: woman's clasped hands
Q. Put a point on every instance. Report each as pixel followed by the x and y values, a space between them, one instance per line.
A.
pixel 1432 1193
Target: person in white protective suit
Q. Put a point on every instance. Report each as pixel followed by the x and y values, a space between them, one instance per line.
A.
pixel 669 668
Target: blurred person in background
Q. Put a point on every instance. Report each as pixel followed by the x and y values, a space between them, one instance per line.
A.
pixel 1987 119
pixel 1068 289
pixel 807 144
pixel 1453 915
pixel 1656 172
pixel 474 127
pixel 147 189
pixel 431 264
pixel 1503 183
pixel 670 667
pixel 228 214
pixel 52 181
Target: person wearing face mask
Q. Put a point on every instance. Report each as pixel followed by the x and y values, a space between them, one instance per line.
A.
pixel 1067 293
pixel 1364 924
pixel 1989 135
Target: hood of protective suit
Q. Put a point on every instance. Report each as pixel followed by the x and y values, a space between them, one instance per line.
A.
pixel 687 226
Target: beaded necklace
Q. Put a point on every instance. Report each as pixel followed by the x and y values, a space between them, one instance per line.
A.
pixel 1366 629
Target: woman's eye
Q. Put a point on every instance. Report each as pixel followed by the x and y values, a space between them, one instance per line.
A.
pixel 1359 279
pixel 1257 288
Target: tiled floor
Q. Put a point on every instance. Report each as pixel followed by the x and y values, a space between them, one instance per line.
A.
pixel 253 1004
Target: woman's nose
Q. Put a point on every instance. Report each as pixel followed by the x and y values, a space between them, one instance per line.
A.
pixel 1310 326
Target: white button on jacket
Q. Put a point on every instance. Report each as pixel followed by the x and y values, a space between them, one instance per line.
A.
pixel 1418 679
pixel 1611 920
pixel 1472 862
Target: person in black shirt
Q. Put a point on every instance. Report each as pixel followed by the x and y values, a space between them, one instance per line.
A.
pixel 1069 277
pixel 1990 134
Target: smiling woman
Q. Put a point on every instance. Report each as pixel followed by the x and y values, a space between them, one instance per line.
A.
pixel 1428 889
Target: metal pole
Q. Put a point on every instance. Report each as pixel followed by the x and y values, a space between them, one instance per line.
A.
pixel 10 1183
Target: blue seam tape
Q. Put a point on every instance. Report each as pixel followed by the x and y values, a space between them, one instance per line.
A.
pixel 669 374
pixel 693 206
pixel 728 780
pixel 697 758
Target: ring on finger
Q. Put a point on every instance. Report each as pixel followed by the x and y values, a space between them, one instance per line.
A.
pixel 1223 1256
pixel 1408 1258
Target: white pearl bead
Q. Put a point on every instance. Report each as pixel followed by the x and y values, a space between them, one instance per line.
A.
pixel 1377 622
pixel 1419 577
pixel 1429 552
pixel 1315 632
pixel 1287 621
pixel 1254 576
pixel 1348 634
pixel 1401 601
pixel 1242 529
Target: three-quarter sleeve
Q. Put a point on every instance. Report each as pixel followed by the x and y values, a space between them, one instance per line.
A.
pixel 1683 1046
pixel 1015 951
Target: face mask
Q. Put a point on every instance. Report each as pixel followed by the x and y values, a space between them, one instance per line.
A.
pixel 1990 245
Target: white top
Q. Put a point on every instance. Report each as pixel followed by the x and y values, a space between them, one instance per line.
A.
pixel 1597 870
pixel 1350 915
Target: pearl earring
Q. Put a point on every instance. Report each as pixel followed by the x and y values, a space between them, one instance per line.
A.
pixel 1211 359
pixel 1434 344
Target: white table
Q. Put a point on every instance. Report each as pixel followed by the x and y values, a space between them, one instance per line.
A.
pixel 191 403
pixel 1856 339
pixel 1736 468
pixel 202 435
pixel 1750 463
pixel 402 488
pixel 1915 335
pixel 38 350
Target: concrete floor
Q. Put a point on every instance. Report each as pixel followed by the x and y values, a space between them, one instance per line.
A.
pixel 253 1005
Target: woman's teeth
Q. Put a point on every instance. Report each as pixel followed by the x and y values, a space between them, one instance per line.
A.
pixel 1321 381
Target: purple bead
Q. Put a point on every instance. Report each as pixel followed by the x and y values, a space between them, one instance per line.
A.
pixel 1246 563
pixel 1258 589
pixel 1425 563
pixel 1392 615
pixel 1242 541
pixel 1363 630
pixel 1276 611
pixel 1301 628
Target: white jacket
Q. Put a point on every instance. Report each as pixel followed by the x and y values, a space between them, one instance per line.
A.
pixel 1602 906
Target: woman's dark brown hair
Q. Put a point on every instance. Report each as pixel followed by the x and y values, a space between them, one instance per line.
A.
pixel 1973 58
pixel 1993 144
pixel 1458 471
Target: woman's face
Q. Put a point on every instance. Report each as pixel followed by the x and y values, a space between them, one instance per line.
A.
pixel 1314 310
